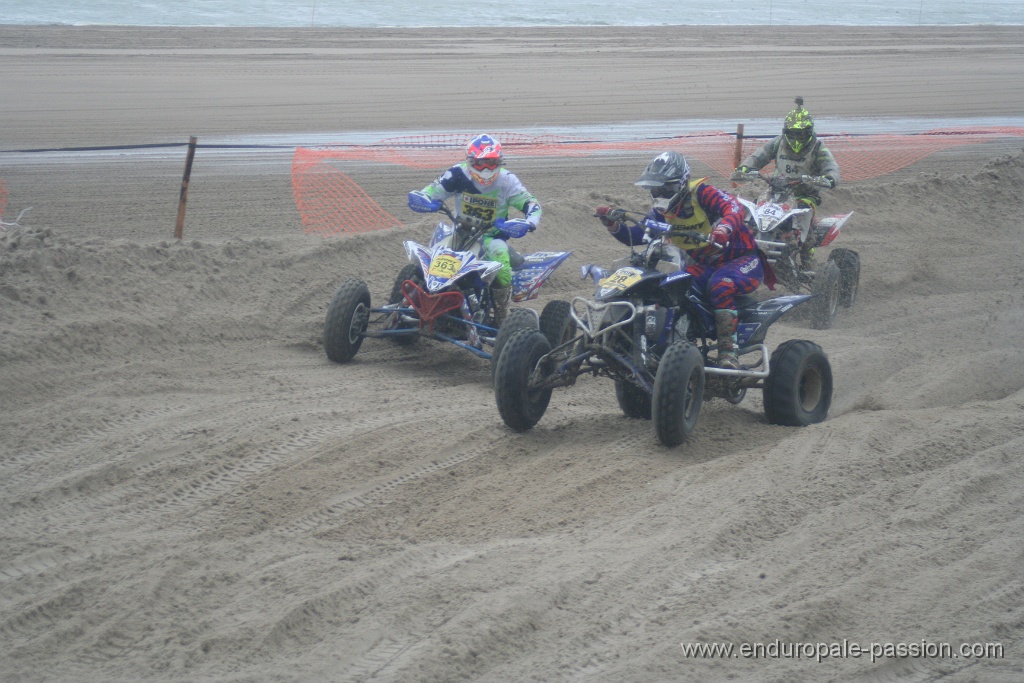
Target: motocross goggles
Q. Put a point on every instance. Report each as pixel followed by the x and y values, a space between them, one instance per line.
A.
pixel 799 134
pixel 666 191
pixel 485 164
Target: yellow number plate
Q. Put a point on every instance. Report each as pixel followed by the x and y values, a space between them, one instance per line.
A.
pixel 623 278
pixel 445 266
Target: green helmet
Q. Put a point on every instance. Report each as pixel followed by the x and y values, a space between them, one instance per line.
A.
pixel 798 127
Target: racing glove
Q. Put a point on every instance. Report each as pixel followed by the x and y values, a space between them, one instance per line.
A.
pixel 512 228
pixel 610 217
pixel 740 173
pixel 421 203
pixel 719 237
pixel 831 181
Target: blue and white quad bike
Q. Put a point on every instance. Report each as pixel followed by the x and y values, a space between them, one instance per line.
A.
pixel 444 294
pixel 651 332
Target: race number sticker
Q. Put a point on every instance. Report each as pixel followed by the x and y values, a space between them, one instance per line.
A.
pixel 623 278
pixel 686 243
pixel 480 206
pixel 445 266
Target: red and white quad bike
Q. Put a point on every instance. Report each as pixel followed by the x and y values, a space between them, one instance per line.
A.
pixel 771 217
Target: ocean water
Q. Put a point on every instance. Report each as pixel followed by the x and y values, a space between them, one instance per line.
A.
pixel 413 13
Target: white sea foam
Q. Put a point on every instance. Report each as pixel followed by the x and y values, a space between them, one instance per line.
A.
pixel 411 13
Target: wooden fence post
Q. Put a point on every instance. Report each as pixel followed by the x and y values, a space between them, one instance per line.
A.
pixel 179 228
pixel 737 156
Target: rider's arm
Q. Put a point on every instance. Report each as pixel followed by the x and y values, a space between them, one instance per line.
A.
pixel 529 206
pixel 761 157
pixel 532 212
pixel 449 183
pixel 721 207
pixel 519 198
pixel 633 234
pixel 724 211
pixel 825 165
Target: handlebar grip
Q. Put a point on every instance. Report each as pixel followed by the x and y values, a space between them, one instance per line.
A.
pixel 816 180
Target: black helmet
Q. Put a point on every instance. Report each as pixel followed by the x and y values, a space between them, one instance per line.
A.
pixel 667 178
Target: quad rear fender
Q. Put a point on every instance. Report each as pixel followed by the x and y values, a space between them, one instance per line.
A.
pixel 534 272
pixel 833 224
pixel 755 320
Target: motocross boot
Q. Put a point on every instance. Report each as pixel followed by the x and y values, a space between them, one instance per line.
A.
pixel 807 256
pixel 725 322
pixel 502 299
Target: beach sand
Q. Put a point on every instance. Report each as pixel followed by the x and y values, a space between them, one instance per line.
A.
pixel 191 491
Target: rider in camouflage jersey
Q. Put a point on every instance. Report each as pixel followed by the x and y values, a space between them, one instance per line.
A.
pixel 798 151
pixel 483 188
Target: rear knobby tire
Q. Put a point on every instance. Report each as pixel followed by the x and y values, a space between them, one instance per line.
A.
pixel 520 407
pixel 517 319
pixel 849 275
pixel 826 301
pixel 678 393
pixel 798 389
pixel 634 401
pixel 346 320
pixel 409 272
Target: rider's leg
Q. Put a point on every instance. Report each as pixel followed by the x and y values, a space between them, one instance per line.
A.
pixel 725 324
pixel 710 281
pixel 739 276
pixel 805 222
pixel 501 286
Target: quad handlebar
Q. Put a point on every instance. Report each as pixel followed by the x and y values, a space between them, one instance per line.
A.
pixel 779 181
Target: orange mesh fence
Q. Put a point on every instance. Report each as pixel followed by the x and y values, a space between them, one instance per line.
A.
pixel 331 203
pixel 868 156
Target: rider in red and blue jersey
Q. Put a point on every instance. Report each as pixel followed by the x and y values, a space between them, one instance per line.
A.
pixel 725 265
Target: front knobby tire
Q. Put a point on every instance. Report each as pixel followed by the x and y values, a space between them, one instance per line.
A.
pixel 346 321
pixel 849 275
pixel 798 389
pixel 517 319
pixel 634 401
pixel 521 407
pixel 556 323
pixel 826 301
pixel 412 272
pixel 678 393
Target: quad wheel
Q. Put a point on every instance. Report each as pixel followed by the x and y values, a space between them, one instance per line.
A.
pixel 521 407
pixel 410 272
pixel 678 393
pixel 517 319
pixel 634 401
pixel 347 317
pixel 798 389
pixel 849 275
pixel 556 323
pixel 826 287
